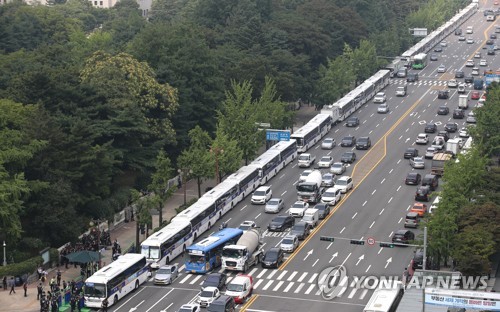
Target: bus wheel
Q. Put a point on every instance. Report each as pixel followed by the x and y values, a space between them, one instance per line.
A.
pixel 167 261
pixel 136 285
pixel 220 214
pixel 195 236
pixel 209 225
pixel 115 299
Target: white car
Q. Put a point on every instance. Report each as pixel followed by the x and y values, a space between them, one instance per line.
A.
pixel 325 162
pixel 441 69
pixel 331 196
pixel 417 162
pixel 470 40
pixel 298 208
pixel 422 138
pixel 461 88
pixel 338 168
pixel 483 63
pixel 328 143
pixel 475 71
pixel 304 175
pixel 379 98
pixel 464 133
pixel 208 295
pixel 261 195
pixel 289 243
pixel 470 63
pixel 444 43
pixel 344 183
pixel 247 225
pixel 383 108
pixel 190 308
pixel 477 55
pixel 452 83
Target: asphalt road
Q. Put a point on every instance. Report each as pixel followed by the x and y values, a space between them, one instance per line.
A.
pixel 375 208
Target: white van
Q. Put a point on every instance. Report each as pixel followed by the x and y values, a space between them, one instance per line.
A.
pixel 261 195
pixel 311 216
pixel 463 101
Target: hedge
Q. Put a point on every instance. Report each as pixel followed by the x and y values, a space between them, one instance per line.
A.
pixel 18 269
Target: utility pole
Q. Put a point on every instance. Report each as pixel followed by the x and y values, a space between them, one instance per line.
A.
pixel 425 249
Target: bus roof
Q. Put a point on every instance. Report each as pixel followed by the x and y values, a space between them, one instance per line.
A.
pixel 264 158
pixel 283 145
pixel 219 190
pixel 242 172
pixel 114 268
pixel 215 240
pixel 193 210
pixel 157 238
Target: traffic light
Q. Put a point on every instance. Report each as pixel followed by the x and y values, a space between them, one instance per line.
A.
pixel 389 245
pixel 327 238
pixel 357 242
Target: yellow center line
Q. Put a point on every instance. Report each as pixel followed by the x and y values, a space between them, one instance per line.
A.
pixel 481 46
pixel 248 303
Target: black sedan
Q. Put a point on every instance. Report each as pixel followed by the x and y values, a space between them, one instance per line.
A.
pixel 443 94
pixel 443 110
pixel 459 74
pixel 410 152
pixel 413 178
pixel 430 128
pixel 348 157
pixel 215 280
pixel 348 141
pixel 273 258
pixel 423 193
pixel 301 229
pixel 281 223
pixel 451 127
pixel 458 114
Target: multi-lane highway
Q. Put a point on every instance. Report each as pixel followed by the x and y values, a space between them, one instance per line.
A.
pixel 375 208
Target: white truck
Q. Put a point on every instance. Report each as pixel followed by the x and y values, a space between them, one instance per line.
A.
pixel 311 216
pixel 452 146
pixel 463 101
pixel 401 91
pixel 246 252
pixel 306 160
pixel 310 189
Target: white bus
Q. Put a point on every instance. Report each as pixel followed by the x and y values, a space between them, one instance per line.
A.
pixel 202 215
pixel 269 165
pixel 247 178
pixel 287 151
pixel 115 280
pixel 312 132
pixel 224 195
pixel 385 299
pixel 166 244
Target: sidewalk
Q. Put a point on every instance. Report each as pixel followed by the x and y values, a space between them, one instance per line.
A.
pixel 124 233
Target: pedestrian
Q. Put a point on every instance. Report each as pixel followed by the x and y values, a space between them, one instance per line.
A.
pixel 406 276
pixel 25 287
pixel 4 282
pixel 44 277
pixel 54 305
pixel 179 182
pixel 12 286
pixel 58 274
pixel 65 285
pixel 40 272
pixel 39 289
pixel 73 303
pixel 104 305
pixel 52 284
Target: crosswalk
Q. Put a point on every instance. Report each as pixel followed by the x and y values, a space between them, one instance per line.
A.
pixel 424 83
pixel 284 282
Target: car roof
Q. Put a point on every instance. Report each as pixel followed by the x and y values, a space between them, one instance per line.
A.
pixel 290 236
pixel 413 174
pixel 400 232
pixel 263 188
pixel 412 214
pixel 240 279
pixel 344 178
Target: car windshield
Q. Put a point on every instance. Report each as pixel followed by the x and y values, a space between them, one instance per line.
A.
pixel 299 227
pixel 328 140
pixel 305 173
pixel 329 194
pixel 273 202
pixel 337 166
pixel 341 182
pixel 303 157
pixel 306 187
pixel 326 159
pixel 235 287
pixel 271 255
pixel 207 294
pixel 212 278
pixel 298 205
pixel 163 271
pixel 287 241
pixel 327 176
pixel 259 193
pixel 320 207
pixel 245 227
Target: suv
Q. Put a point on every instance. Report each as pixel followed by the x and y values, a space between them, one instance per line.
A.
pixel 410 152
pixel 411 220
pixel 352 122
pixel 431 180
pixel 451 127
pixel 458 113
pixel 222 304
pixel 261 195
pixel 423 193
pixel 413 178
pixel 348 141
pixel 443 94
pixel 403 236
pixel 363 143
pixel 418 260
pixel 430 128
pixel 412 77
pixel 379 98
pixel 443 110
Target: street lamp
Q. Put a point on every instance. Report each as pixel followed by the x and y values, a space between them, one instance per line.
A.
pixel 4 254
pixel 91 223
pixel 216 151
pixel 184 172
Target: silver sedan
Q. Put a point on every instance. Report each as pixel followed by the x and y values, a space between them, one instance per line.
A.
pixel 417 162
pixel 338 168
pixel 274 205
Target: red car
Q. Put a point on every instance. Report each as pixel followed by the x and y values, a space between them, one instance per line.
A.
pixel 475 95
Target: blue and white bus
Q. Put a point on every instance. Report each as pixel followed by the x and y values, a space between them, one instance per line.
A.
pixel 205 255
pixel 287 151
pixel 225 196
pixel 166 244
pixel 202 215
pixel 312 132
pixel 115 280
pixel 269 164
pixel 247 178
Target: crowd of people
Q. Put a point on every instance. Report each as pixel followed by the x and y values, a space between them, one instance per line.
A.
pixel 91 241
pixel 49 301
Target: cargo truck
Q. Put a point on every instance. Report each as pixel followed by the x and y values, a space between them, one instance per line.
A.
pixel 438 162
pixel 247 252
pixel 463 101
pixel 452 146
pixel 310 189
pixel 306 160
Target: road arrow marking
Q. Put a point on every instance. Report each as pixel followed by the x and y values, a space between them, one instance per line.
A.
pixel 310 252
pixel 334 256
pixel 388 261
pixel 360 258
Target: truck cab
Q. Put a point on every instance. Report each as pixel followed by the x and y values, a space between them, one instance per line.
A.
pixel 311 216
pixel 240 288
pixel 306 160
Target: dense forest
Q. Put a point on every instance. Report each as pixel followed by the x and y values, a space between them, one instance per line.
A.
pixel 96 103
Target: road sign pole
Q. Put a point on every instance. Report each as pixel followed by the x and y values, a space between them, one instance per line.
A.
pixel 425 249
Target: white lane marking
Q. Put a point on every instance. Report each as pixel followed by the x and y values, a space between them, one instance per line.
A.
pixel 390 199
pixel 292 276
pixel 329 245
pixel 383 180
pixel 377 125
pixel 168 307
pixel 160 300
pixel 258 215
pixel 380 250
pixel 363 294
pixel 185 279
pixel 294 166
pixel 367 269
pixel 295 182
pixel 302 277
pixel 283 193
pixel 278 286
pixel 288 287
pixel 182 267
pixel 346 258
pixel 272 274
pixel 262 273
pixel 252 272
pixel 195 279
pixel 282 176
pixel 311 280
pixel 282 275
pixel 131 298
pixel 315 262
pixel 408 208
pixel 309 289
pixel 364 203
pixel 370 132
pixel 342 230
pixel 243 208
pixel 257 284
pixel 374 191
pixel 400 220
pixel 398 161
pixel 372 224
pixel 268 284
pixel 400 137
pixel 354 216
pixel 398 188
pixel 299 288
pixel 391 234
pixel 391 170
pixel 352 293
pixel 381 211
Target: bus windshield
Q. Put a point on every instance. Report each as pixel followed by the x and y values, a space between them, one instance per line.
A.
pixel 151 252
pixel 95 290
pixel 197 258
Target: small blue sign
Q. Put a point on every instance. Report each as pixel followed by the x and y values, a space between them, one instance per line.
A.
pixel 277 135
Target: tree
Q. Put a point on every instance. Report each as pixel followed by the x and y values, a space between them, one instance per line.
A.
pixel 143 205
pixel 472 248
pixel 364 61
pixel 197 157
pixel 159 181
pixel 225 155
pixel 270 109
pixel 487 131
